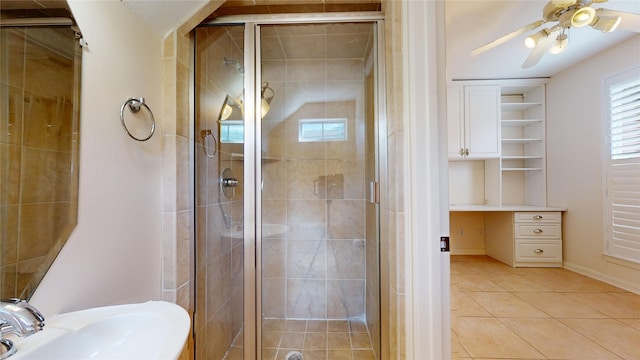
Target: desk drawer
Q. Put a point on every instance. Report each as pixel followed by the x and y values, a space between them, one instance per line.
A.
pixel 538 251
pixel 542 231
pixel 538 217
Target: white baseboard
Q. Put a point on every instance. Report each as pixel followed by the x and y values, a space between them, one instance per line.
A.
pixel 634 288
pixel 468 252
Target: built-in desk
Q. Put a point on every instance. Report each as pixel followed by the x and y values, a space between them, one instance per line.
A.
pixel 521 235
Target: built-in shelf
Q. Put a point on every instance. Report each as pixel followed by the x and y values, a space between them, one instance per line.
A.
pixel 240 157
pixel 520 122
pixel 521 169
pixel 517 176
pixel 521 157
pixel 519 106
pixel 519 141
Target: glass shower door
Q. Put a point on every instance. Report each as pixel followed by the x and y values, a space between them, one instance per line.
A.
pixel 219 155
pixel 319 244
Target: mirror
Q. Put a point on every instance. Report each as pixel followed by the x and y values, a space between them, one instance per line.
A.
pixel 231 120
pixel 39 134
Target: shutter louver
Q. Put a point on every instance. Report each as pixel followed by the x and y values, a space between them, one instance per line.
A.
pixel 623 169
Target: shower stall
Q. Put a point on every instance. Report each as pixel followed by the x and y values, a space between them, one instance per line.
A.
pixel 288 136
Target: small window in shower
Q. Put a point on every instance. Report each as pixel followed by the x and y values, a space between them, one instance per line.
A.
pixel 322 130
pixel 232 131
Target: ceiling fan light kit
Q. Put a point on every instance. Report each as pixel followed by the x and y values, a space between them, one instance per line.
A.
pixel 566 14
pixel 606 23
pixel 583 17
pixel 532 41
pixel 560 44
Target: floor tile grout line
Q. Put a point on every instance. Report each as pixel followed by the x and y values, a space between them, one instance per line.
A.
pixel 550 315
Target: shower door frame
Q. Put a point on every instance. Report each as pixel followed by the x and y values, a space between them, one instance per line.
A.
pixel 252 167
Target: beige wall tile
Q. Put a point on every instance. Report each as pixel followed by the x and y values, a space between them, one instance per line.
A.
pixel 346 219
pixel 306 298
pixel 274 181
pixel 306 70
pixel 219 334
pixel 218 284
pixel 274 258
pixel 345 259
pixel 273 298
pixel 52 220
pixel 306 219
pixel 306 259
pixel 345 299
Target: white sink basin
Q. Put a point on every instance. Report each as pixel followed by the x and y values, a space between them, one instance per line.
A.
pixel 151 330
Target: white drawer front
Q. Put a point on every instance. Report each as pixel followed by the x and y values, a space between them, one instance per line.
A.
pixel 539 231
pixel 550 251
pixel 538 217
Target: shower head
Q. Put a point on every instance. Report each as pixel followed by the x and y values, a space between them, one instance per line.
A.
pixel 239 67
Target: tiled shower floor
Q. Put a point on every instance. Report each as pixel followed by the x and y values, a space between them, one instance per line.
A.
pixel 315 339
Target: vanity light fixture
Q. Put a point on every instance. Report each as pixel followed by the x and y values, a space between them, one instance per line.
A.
pixel 226 112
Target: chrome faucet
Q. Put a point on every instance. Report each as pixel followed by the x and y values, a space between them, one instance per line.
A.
pixel 20 318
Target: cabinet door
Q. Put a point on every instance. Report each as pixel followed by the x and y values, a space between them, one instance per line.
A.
pixel 455 121
pixel 482 119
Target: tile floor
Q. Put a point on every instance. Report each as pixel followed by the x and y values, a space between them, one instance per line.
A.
pixel 500 312
pixel 315 339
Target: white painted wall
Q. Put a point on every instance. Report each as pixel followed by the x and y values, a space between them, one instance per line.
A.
pixel 114 254
pixel 574 160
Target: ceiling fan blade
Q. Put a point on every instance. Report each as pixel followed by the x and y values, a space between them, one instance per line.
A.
pixel 507 37
pixel 630 21
pixel 538 52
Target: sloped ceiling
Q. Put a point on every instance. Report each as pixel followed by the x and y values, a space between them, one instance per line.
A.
pixel 473 23
pixel 469 24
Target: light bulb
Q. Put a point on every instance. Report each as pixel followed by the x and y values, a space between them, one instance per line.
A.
pixel 226 112
pixel 606 23
pixel 559 44
pixel 533 40
pixel 264 107
pixel 583 17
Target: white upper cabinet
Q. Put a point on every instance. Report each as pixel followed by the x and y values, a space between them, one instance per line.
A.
pixel 496 134
pixel 473 120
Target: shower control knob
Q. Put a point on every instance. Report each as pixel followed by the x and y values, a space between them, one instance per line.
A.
pixel 230 182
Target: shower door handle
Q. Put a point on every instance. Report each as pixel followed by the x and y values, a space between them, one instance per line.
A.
pixel 374 192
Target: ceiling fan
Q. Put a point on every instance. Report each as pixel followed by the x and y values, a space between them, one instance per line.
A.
pixel 565 14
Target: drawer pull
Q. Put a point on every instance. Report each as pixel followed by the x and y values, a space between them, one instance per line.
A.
pixel 538 231
pixel 538 217
pixel 538 251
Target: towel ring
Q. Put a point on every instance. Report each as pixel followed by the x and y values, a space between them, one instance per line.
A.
pixel 134 106
pixel 204 134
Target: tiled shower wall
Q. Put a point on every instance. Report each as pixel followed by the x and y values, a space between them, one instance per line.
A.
pixel 316 270
pixel 219 253
pixel 38 145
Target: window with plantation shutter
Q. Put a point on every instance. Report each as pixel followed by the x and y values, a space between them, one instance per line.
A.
pixel 622 167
